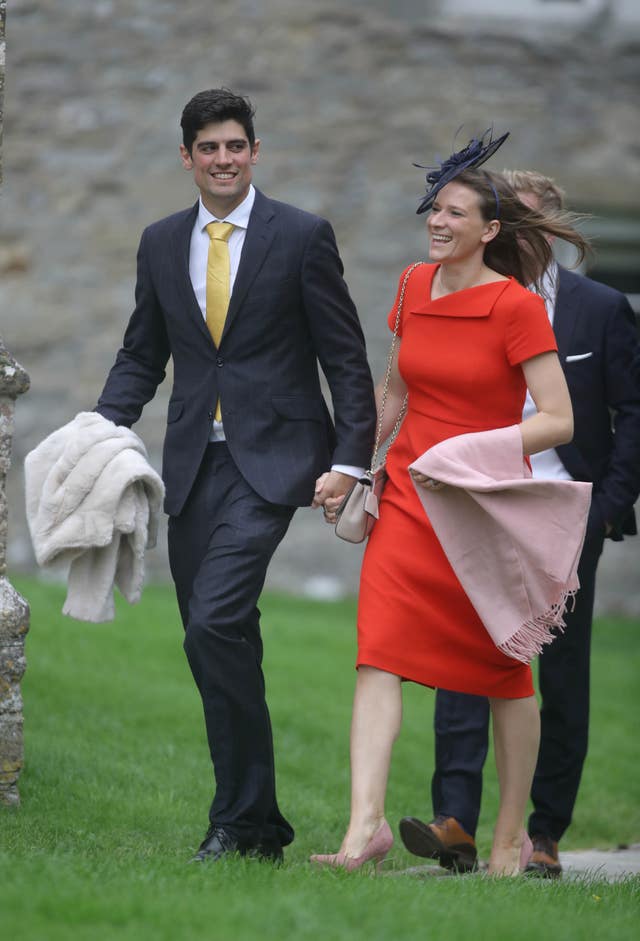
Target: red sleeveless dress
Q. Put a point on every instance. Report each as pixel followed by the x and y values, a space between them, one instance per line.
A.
pixel 460 357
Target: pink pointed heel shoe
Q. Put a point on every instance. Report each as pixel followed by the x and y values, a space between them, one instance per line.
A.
pixel 375 851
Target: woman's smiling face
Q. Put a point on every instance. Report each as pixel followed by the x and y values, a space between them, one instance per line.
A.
pixel 456 227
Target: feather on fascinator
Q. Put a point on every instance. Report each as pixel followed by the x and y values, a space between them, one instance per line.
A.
pixel 473 155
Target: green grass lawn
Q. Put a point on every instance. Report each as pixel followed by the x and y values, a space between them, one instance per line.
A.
pixel 117 785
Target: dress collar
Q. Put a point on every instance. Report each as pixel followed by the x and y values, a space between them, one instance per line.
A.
pixel 470 302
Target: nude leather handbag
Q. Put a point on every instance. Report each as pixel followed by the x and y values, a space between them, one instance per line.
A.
pixel 358 511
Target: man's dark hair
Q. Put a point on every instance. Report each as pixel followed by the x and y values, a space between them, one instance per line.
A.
pixel 214 106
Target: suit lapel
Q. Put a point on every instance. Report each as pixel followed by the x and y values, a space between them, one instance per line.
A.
pixel 260 234
pixel 566 312
pixel 181 244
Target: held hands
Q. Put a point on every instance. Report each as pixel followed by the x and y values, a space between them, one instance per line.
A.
pixel 331 488
pixel 427 482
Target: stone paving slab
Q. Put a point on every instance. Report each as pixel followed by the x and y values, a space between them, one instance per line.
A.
pixel 610 865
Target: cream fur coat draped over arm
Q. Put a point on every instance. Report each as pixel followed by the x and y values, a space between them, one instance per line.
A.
pixel 93 502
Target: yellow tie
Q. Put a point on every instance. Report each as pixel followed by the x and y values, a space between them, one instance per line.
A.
pixel 218 279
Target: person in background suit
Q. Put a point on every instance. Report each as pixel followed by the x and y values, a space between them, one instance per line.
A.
pixel 246 295
pixel 597 344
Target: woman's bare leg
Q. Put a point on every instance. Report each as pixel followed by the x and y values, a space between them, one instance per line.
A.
pixel 516 737
pixel 375 724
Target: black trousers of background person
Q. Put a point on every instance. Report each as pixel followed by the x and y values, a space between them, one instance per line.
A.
pixel 462 724
pixel 219 550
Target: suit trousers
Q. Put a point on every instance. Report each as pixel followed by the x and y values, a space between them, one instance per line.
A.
pixel 219 549
pixel 462 723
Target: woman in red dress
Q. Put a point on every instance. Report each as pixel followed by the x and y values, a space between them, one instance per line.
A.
pixel 471 339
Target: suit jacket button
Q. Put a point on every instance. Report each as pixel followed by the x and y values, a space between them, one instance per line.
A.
pixel 210 416
pixel 219 361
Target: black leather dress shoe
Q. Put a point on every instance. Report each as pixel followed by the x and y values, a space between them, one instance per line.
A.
pixel 220 844
pixel 217 844
pixel 269 851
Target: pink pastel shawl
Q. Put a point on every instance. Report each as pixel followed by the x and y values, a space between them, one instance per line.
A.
pixel 514 542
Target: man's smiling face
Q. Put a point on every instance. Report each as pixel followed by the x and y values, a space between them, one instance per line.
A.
pixel 222 162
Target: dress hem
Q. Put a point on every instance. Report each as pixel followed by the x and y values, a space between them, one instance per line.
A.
pixel 401 668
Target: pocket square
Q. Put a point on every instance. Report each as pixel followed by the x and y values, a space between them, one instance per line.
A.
pixel 577 356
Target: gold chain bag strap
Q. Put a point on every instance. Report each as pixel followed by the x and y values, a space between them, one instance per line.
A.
pixel 359 510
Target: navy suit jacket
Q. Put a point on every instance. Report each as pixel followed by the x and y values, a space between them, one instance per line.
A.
pixel 289 309
pixel 598 347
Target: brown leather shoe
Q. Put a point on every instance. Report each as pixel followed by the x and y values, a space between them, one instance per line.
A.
pixel 442 839
pixel 544 861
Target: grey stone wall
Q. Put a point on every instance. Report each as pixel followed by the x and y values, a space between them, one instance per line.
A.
pixel 348 94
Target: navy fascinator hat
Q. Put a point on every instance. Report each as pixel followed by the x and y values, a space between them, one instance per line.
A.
pixel 473 155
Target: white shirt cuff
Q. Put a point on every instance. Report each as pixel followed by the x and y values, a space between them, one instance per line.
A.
pixel 356 472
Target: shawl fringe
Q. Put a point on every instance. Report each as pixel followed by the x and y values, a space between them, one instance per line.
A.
pixel 529 640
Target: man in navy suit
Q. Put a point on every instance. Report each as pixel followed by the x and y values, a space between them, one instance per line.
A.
pixel 248 431
pixel 597 345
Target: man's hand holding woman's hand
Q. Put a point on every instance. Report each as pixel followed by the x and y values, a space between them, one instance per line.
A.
pixel 331 488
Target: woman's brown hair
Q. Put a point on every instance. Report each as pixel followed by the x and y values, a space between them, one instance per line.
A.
pixel 521 248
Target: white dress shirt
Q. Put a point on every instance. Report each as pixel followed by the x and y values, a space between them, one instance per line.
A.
pixel 198 257
pixel 199 254
pixel 546 464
